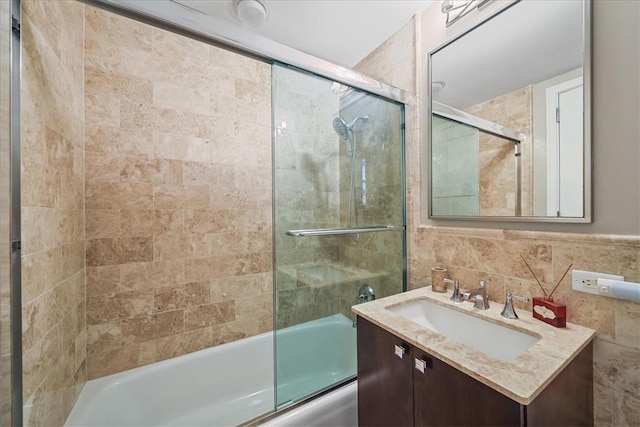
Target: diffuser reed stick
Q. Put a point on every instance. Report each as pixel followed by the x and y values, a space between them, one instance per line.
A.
pixel 560 281
pixel 536 277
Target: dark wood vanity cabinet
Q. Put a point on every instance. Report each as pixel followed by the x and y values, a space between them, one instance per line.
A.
pixel 392 392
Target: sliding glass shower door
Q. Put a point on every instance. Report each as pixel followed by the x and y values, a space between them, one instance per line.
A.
pixel 338 223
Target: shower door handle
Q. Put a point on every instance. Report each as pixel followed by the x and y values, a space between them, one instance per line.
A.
pixel 341 231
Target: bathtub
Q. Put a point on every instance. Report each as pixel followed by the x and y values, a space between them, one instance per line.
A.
pixel 232 383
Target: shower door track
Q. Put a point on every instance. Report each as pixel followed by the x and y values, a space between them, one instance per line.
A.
pixel 342 231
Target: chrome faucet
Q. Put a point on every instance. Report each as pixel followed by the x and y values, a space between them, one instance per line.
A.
pixel 365 294
pixel 455 297
pixel 480 295
pixel 508 311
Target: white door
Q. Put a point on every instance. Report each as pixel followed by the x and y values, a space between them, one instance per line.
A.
pixel 565 181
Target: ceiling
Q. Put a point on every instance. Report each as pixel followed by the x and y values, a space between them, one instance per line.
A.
pixel 340 31
pixel 528 43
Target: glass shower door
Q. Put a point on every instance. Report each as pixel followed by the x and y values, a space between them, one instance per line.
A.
pixel 338 223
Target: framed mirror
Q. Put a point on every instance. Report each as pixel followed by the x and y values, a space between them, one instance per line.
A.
pixel 510 112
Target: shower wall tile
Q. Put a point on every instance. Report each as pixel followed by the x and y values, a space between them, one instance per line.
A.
pixel 178 170
pixel 181 296
pixel 53 220
pixel 209 315
pixel 513 110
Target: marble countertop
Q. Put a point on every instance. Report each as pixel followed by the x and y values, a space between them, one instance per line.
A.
pixel 521 379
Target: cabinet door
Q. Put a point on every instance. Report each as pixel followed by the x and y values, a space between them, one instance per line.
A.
pixel 444 396
pixel 385 385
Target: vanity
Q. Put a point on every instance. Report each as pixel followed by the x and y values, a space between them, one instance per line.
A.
pixel 424 360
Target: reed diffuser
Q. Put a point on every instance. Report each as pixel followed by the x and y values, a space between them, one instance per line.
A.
pixel 545 308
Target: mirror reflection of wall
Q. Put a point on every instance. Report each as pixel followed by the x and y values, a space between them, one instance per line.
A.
pixel 521 70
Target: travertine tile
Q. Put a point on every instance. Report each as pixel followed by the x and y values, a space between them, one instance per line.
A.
pixel 181 98
pixel 106 362
pixel 181 147
pixel 164 129
pixel 102 167
pixel 626 410
pixel 205 269
pixel 503 257
pixel 209 315
pixel 119 251
pixel 178 197
pixel 102 223
pixel 616 367
pixel 627 320
pixel 105 336
pixel 121 305
pixel 119 195
pixel 153 326
pixel 40 272
pixel 174 297
pixel 172 246
pixel 240 287
pixel 209 221
pixel 152 274
pixel 602 406
pixel 103 280
pixel 111 139
pixel 151 222
pixel 140 169
pixel 38 361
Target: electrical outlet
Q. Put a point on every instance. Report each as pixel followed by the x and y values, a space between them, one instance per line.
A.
pixel 587 281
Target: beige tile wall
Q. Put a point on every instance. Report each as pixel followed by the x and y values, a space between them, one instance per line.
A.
pixel 53 265
pixel 493 255
pixel 178 195
pixel 497 191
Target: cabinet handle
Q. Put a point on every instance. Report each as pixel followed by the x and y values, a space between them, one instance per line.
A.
pixel 399 350
pixel 420 364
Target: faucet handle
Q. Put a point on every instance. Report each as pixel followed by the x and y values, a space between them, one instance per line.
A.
pixel 508 311
pixel 455 297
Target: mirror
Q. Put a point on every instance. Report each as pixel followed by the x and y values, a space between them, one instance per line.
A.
pixel 510 116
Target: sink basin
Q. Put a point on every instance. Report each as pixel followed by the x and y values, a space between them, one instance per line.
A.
pixel 487 337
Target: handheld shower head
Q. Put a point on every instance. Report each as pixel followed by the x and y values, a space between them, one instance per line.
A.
pixel 341 128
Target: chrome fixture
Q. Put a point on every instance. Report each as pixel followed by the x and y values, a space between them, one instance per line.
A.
pixel 455 297
pixel 340 231
pixel 508 311
pixel 366 294
pixel 461 10
pixel 480 295
pixel 346 133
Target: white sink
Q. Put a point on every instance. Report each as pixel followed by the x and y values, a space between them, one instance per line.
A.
pixel 489 338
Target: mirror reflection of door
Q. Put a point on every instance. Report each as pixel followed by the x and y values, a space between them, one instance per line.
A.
pixel 565 149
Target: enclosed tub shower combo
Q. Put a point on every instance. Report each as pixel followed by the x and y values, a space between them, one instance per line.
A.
pixel 332 238
pixel 233 208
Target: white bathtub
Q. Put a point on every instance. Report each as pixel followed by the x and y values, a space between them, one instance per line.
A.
pixel 227 385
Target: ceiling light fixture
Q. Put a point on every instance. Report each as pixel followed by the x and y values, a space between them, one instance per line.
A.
pixel 455 13
pixel 253 13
